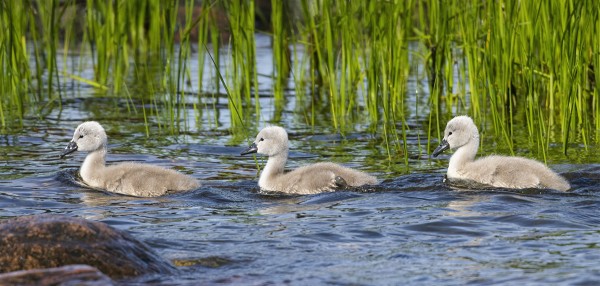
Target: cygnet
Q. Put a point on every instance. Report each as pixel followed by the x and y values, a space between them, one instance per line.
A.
pixel 497 171
pixel 316 178
pixel 132 179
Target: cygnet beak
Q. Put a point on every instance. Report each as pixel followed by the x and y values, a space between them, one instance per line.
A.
pixel 443 146
pixel 251 149
pixel 72 147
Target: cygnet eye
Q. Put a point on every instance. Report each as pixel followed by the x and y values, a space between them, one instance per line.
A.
pixel 449 133
pixel 262 139
pixel 81 136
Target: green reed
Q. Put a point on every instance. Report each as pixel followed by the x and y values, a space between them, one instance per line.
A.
pixel 358 55
pixel 242 73
pixel 208 32
pixel 528 64
pixel 512 64
pixel 202 22
pixel 386 53
pixel 281 53
pixel 14 60
pixel 110 31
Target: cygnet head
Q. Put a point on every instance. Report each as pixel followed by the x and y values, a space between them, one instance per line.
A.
pixel 89 136
pixel 459 132
pixel 270 141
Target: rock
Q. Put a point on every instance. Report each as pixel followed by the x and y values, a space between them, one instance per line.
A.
pixel 64 276
pixel 46 241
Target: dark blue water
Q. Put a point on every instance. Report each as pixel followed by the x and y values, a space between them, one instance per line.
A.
pixel 411 229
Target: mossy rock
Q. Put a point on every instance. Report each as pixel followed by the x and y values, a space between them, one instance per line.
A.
pixel 47 241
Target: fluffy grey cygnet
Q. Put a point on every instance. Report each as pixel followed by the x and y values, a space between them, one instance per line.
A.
pixel 132 179
pixel 312 179
pixel 497 171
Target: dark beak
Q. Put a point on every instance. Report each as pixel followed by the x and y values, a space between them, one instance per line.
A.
pixel 443 146
pixel 251 149
pixel 72 147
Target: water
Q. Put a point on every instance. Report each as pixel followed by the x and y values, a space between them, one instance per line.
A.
pixel 413 229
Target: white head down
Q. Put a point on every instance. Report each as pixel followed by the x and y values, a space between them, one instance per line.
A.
pixel 271 141
pixel 89 136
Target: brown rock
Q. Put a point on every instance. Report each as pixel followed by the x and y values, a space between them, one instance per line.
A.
pixel 45 241
pixel 66 275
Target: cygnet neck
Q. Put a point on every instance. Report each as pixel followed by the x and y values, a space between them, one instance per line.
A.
pixel 274 167
pixel 94 162
pixel 463 155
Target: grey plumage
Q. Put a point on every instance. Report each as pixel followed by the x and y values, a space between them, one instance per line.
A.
pixel 316 178
pixel 133 179
pixel 498 171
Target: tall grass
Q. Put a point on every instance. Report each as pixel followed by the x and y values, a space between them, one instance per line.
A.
pixel 512 64
pixel 534 60
pixel 14 59
pixel 281 52
pixel 243 77
pixel 359 60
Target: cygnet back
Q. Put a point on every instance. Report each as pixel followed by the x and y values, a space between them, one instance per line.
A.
pixel 316 178
pixel 131 179
pixel 462 135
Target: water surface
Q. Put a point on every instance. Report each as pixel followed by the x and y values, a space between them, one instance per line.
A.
pixel 412 229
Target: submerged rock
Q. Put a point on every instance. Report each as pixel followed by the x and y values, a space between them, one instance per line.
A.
pixel 66 275
pixel 46 241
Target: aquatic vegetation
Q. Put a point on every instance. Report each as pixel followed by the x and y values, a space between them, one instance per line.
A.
pixel 531 66
pixel 509 64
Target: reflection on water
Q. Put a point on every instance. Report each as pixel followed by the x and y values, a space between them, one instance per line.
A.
pixel 412 229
